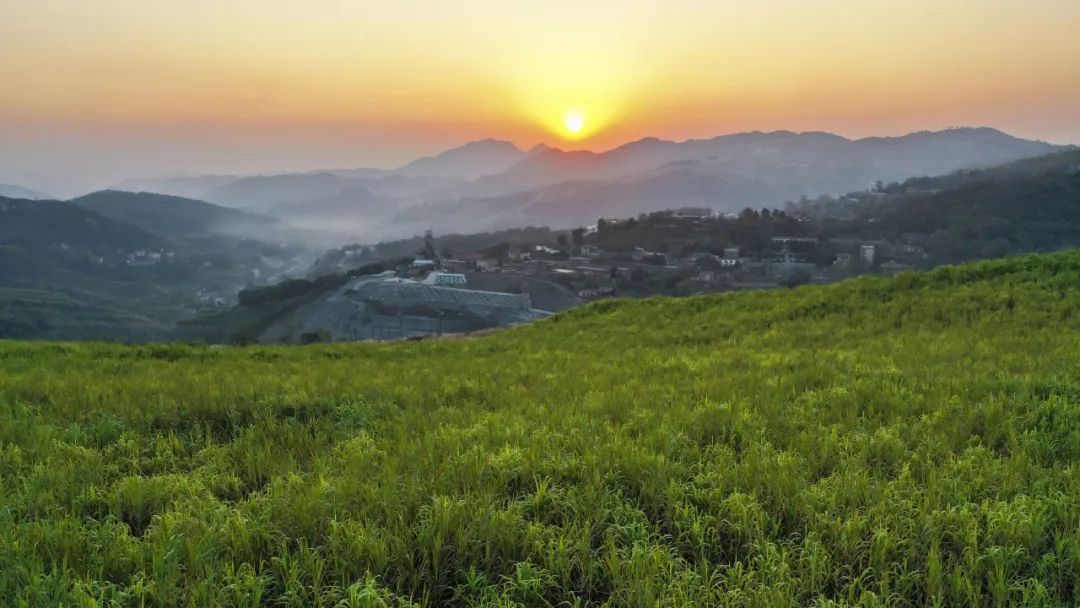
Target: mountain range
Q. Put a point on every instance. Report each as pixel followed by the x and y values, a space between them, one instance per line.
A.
pixel 492 184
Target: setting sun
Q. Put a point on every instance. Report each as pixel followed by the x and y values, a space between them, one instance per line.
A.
pixel 574 121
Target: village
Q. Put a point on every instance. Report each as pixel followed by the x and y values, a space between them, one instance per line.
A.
pixel 455 283
pixel 677 252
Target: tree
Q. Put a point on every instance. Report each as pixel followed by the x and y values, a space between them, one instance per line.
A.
pixel 428 251
pixel 577 237
pixel 500 251
pixel 601 225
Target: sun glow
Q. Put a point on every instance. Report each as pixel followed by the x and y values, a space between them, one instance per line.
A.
pixel 578 89
pixel 574 121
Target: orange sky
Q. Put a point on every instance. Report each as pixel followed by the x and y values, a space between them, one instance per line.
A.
pixel 274 84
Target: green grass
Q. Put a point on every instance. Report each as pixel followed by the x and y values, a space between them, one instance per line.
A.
pixel 879 442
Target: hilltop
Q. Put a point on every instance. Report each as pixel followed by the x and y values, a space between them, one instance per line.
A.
pixel 907 441
pixel 175 216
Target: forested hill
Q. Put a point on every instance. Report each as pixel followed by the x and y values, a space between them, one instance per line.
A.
pixel 174 216
pixel 1029 205
pixel 41 225
pixel 908 441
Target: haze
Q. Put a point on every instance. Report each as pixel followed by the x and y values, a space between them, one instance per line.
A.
pixel 92 93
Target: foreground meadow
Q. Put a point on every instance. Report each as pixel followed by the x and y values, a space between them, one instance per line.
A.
pixel 902 442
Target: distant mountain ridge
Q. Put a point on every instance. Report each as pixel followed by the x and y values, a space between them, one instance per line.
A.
pixel 15 191
pixel 188 187
pixel 470 161
pixel 726 173
pixel 920 153
pixel 495 184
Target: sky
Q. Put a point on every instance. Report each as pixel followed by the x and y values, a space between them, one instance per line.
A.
pixel 93 92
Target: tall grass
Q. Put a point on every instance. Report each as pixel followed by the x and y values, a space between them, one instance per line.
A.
pixel 904 442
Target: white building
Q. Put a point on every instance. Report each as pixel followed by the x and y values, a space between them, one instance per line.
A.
pixel 868 253
pixel 445 279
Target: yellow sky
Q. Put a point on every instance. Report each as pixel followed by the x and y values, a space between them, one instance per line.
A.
pixel 403 77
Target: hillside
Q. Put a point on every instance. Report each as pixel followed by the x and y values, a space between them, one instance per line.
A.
pixel 1024 206
pixel 53 224
pixel 68 272
pixel 73 315
pixel 174 216
pixel 905 442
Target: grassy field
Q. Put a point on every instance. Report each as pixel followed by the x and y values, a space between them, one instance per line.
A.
pixel 880 442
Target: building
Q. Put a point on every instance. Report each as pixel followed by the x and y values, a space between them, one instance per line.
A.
pixel 480 261
pixel 784 241
pixel 692 213
pixel 596 292
pixel 712 262
pixel 909 252
pixel 454 265
pixel 445 279
pixel 868 254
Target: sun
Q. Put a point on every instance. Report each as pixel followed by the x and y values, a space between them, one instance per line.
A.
pixel 574 121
